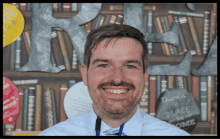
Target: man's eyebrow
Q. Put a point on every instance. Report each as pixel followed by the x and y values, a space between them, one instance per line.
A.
pixel 134 61
pixel 99 60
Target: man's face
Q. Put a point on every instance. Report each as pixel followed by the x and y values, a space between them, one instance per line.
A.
pixel 115 77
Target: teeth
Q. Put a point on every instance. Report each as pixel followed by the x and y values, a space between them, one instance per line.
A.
pixel 116 91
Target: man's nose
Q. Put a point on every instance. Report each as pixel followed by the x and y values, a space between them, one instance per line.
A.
pixel 117 75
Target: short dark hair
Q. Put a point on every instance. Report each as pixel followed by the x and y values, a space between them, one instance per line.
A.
pixel 113 31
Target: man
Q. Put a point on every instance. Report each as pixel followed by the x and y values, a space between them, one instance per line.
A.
pixel 115 71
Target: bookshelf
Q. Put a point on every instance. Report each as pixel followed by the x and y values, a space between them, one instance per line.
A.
pixel 54 81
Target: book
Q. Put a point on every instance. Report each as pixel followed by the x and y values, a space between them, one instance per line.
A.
pixel 212 116
pixel 165 30
pixel 186 13
pixel 195 87
pixel 25 82
pixel 71 83
pixel 112 19
pixel 6 57
pixel 55 7
pixel 26 38
pixel 120 7
pixel 25 110
pixel 53 99
pixel 38 107
pixel 158 85
pixel 63 90
pixel 48 110
pixel 194 36
pixel 88 27
pixel 25 133
pixel 66 7
pixel 209 96
pixel 189 83
pixel 212 24
pixel 170 82
pixel 184 26
pixel 31 109
pixel 20 113
pixel 74 61
pixel 12 54
pixel 150 29
pixel 18 53
pixel 163 83
pixel 29 7
pixel 63 50
pixel 107 19
pixel 119 19
pixel 57 51
pixel 203 98
pixel 23 6
pixel 69 46
pixel 206 32
pixel 152 94
pixel 181 38
pixel 8 129
pixel 101 21
pixel 144 99
pixel 158 28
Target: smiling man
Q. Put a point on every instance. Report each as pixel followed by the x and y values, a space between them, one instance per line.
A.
pixel 115 71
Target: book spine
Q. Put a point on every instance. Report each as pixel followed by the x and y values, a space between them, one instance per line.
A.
pixel 152 93
pixel 185 29
pixel 167 24
pixel 189 83
pixel 107 19
pixel 186 13
pixel 23 6
pixel 112 19
pixel 144 99
pixel 74 61
pixel 215 101
pixel 53 99
pixel 180 82
pixel 55 7
pixel 211 131
pixel 48 108
pixel 119 19
pixel 24 82
pixel 170 82
pixel 38 107
pixel 29 6
pixel 212 25
pixel 181 38
pixel 194 36
pixel 66 7
pixel 149 29
pixel 195 87
pixel 18 53
pixel 25 110
pixel 63 90
pixel 158 80
pixel 71 83
pixel 120 7
pixel 8 129
pixel 31 109
pixel 102 20
pixel 6 56
pixel 64 50
pixel 57 51
pixel 206 32
pixel 158 31
pixel 12 59
pixel 60 7
pixel 209 96
pixel 203 95
pixel 165 30
pixel 163 84
pixel 20 114
pixel 74 7
pixel 26 41
pixel 88 27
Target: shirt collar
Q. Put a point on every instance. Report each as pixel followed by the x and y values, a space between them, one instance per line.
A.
pixel 132 127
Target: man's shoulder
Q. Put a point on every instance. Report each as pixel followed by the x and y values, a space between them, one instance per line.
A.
pixel 75 125
pixel 155 126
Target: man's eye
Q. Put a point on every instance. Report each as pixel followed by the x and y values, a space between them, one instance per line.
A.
pixel 130 66
pixel 103 66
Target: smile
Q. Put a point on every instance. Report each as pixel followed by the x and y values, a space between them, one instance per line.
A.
pixel 116 91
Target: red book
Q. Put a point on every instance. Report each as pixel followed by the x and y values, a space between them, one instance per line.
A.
pixel 66 7
pixel 152 95
pixel 23 6
pixel 212 122
pixel 63 90
pixel 195 87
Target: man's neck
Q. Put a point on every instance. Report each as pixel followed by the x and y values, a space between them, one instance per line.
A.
pixel 114 122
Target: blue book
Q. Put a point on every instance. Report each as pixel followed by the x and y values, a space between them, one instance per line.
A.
pixel 18 53
pixel 74 7
pixel 25 110
pixel 97 21
pixel 203 98
pixel 168 28
pixel 28 6
pixel 149 30
pixel 158 80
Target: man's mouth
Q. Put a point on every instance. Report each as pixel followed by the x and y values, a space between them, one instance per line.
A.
pixel 116 91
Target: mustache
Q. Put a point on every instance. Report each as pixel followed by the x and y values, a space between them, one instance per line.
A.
pixel 112 83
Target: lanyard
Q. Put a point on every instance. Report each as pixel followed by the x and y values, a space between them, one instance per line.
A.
pixel 98 126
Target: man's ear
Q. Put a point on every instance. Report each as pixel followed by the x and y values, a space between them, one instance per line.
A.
pixel 83 69
pixel 146 75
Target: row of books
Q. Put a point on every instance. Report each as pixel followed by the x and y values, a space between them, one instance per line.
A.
pixel 204 89
pixel 37 107
pixel 61 7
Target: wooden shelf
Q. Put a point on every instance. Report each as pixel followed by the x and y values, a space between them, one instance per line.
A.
pixel 63 74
